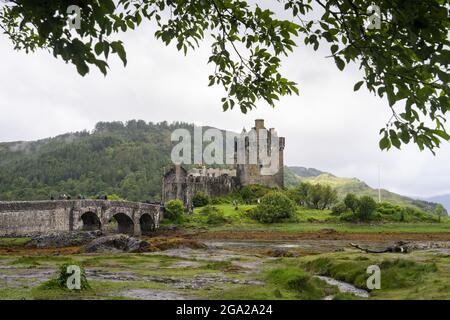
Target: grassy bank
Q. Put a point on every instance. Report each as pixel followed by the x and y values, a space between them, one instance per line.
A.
pixel 306 220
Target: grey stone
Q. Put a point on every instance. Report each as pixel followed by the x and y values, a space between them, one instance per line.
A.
pixel 117 243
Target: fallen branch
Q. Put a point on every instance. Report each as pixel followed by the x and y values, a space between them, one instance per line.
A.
pixel 400 247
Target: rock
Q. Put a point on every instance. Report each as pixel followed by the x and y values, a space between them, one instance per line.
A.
pixel 171 227
pixel 63 239
pixel 176 243
pixel 117 243
pixel 278 253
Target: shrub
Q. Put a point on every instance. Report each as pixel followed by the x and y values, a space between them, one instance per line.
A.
pixel 213 215
pixel 366 208
pixel 200 199
pixel 174 209
pixel 216 200
pixel 339 209
pixel 251 193
pixel 274 207
pixel 352 202
pixel 348 216
pixel 115 197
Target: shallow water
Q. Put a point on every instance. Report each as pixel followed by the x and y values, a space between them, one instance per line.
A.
pixel 344 287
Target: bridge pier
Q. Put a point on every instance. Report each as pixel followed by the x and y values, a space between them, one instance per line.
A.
pixel 137 227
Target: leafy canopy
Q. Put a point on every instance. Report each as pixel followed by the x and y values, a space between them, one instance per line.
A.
pixel 407 59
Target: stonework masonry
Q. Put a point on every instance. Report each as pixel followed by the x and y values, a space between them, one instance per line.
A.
pixel 179 183
pixel 29 217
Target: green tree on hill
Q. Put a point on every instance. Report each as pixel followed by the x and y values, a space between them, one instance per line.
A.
pixel 439 211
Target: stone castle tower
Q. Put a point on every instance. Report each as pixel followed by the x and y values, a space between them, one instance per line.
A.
pixel 179 183
pixel 251 172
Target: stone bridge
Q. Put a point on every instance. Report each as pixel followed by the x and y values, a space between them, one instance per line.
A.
pixel 29 217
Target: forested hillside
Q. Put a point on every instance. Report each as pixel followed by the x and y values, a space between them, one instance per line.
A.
pixel 116 158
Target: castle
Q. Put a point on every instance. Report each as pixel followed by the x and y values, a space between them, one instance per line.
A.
pixel 249 167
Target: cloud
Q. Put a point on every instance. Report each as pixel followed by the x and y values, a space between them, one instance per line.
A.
pixel 328 126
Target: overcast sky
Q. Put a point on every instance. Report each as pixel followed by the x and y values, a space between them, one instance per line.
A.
pixel 328 127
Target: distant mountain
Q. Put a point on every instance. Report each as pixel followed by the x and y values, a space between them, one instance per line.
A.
pixel 352 185
pixel 306 172
pixel 443 199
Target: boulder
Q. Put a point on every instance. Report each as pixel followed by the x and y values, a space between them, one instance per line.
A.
pixel 117 243
pixel 63 239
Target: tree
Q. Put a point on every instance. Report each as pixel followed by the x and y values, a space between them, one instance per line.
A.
pixel 299 194
pixel 314 196
pixel 352 202
pixel 274 207
pixel 339 209
pixel 406 58
pixel 328 197
pixel 366 208
pixel 439 211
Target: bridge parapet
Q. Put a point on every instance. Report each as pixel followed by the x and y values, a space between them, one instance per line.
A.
pixel 25 217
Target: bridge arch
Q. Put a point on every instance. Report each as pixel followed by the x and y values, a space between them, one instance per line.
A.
pixel 90 221
pixel 124 223
pixel 147 223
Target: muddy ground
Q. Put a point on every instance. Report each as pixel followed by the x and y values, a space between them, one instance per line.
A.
pixel 202 265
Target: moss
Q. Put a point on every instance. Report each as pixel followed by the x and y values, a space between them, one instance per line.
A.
pixel 14 242
pixel 297 281
pixel 40 260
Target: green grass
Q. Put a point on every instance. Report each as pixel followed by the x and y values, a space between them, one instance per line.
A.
pixel 402 276
pixel 306 220
pixel 13 242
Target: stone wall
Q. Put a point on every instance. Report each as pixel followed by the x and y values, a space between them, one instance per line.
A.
pixel 27 217
pixel 177 184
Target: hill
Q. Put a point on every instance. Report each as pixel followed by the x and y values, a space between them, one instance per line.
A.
pixel 352 185
pixel 126 159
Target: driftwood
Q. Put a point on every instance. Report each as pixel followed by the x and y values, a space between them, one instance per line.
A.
pixel 400 247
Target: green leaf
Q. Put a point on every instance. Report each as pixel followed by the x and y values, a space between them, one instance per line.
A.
pixel 82 68
pixel 118 48
pixel 98 48
pixel 340 63
pixel 385 143
pixel 358 85
pixel 334 48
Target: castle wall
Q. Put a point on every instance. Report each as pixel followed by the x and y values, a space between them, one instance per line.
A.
pixel 185 187
pixel 212 186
